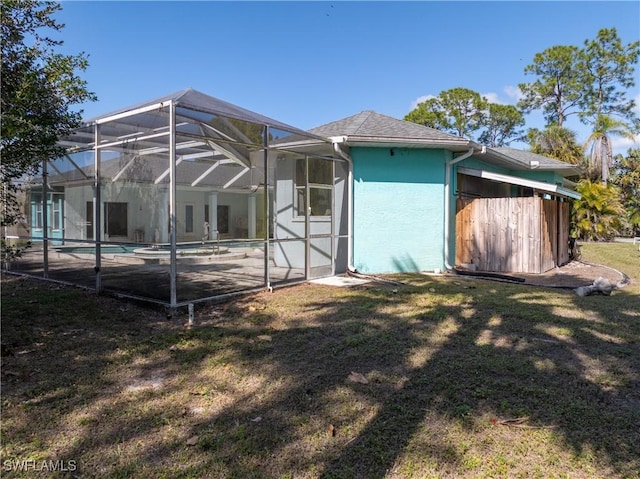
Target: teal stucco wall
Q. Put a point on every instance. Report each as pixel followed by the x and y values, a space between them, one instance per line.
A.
pixel 398 209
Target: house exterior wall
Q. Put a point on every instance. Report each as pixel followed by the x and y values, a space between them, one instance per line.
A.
pixel 147 210
pixel 288 226
pixel 398 209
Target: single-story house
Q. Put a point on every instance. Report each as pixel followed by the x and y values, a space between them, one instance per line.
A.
pixel 410 183
pixel 188 197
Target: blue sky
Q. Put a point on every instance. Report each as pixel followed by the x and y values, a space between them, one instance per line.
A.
pixel 309 63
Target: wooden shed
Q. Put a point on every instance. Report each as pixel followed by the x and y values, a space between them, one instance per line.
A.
pixel 519 235
pixel 518 227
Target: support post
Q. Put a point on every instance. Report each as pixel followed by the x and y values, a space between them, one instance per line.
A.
pixel 213 215
pixel 97 220
pixel 251 216
pixel 172 206
pixel 45 221
pixel 265 143
pixel 307 219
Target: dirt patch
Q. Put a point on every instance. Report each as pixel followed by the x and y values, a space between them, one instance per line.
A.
pixel 573 275
pixel 569 276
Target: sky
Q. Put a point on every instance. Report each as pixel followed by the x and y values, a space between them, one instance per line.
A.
pixel 311 63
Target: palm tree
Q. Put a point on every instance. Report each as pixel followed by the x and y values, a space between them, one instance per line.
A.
pixel 599 144
pixel 598 214
pixel 626 176
pixel 556 142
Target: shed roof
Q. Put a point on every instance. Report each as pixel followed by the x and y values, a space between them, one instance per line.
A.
pixel 529 158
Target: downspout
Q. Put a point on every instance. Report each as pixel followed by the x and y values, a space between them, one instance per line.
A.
pixel 447 199
pixel 335 141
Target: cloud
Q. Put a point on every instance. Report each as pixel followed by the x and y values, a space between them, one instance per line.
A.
pixel 419 100
pixel 513 92
pixel 492 97
pixel 621 145
pixel 618 144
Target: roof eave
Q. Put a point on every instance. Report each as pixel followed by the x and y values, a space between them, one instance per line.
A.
pixel 354 140
pixel 538 185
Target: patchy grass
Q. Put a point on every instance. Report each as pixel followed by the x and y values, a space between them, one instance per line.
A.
pixel 624 257
pixel 260 387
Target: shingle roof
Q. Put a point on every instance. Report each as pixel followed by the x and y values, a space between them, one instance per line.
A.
pixel 369 124
pixel 526 157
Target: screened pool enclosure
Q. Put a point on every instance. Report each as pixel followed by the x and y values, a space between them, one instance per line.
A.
pixel 187 198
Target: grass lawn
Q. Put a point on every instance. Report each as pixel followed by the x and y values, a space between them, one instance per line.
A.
pixel 441 377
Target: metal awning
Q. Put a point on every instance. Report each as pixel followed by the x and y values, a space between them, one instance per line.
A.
pixel 515 180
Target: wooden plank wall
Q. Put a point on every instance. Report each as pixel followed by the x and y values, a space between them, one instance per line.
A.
pixel 465 220
pixel 563 233
pixel 518 235
pixel 549 235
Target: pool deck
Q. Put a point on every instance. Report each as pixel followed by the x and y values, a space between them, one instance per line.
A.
pixel 198 278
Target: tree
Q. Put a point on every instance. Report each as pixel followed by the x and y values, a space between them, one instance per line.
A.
pixel 558 88
pixel 459 111
pixel 428 113
pixel 598 214
pixel 600 149
pixel 556 142
pixel 626 176
pixel 464 112
pixel 502 125
pixel 38 88
pixel 607 72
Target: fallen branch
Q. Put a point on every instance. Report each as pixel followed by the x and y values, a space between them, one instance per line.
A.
pixel 519 422
pixel 376 279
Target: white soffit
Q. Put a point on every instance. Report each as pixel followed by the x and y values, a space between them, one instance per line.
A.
pixel 515 180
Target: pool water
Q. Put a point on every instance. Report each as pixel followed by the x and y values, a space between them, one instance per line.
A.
pixel 105 249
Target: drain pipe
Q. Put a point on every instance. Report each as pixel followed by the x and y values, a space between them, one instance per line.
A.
pixel 447 198
pixel 336 141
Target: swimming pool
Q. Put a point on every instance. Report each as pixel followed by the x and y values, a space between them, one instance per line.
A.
pixel 104 249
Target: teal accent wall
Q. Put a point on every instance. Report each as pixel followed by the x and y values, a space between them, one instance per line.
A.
pixel 398 209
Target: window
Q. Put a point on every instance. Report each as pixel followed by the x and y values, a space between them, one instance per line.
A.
pixel 320 176
pixel 36 209
pixel 56 204
pixel 188 218
pixel 115 219
pixel 320 201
